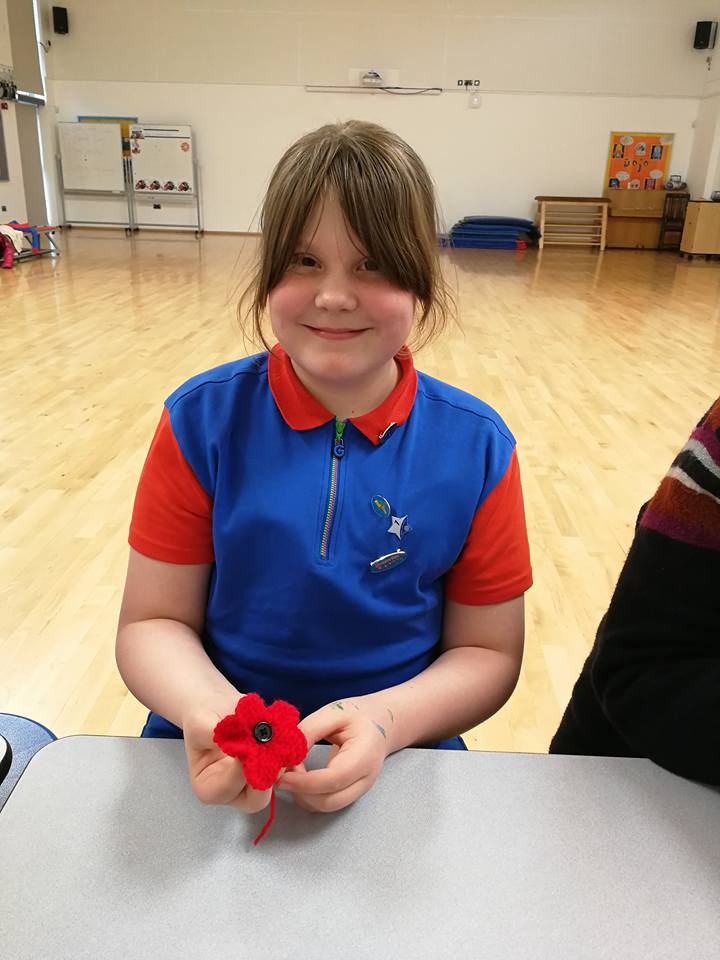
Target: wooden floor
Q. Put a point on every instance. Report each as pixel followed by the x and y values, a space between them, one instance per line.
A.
pixel 600 364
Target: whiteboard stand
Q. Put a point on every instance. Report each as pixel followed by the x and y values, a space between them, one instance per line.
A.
pixel 164 167
pixel 128 174
pixel 126 223
pixel 91 156
pixel 61 192
pixel 196 225
pixel 196 168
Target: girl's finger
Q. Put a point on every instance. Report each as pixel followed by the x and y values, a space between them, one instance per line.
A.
pixel 330 802
pixel 324 723
pixel 345 767
pixel 219 782
pixel 251 801
pixel 298 768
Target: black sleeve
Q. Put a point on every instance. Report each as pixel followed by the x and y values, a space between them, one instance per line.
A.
pixel 655 666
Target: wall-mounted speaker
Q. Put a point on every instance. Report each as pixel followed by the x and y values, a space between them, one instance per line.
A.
pixel 705 33
pixel 60 20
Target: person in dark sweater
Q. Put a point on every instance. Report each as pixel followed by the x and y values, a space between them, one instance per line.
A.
pixel 651 684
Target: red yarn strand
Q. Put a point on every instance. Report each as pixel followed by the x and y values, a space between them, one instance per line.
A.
pixel 270 819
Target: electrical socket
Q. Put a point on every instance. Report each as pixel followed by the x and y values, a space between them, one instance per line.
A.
pixel 157 206
pixel 468 83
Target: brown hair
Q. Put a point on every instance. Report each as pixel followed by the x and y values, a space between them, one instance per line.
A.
pixel 388 200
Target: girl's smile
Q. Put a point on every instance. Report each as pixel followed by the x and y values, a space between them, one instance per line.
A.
pixel 329 333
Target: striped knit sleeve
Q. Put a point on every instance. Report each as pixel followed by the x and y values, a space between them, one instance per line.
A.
pixel 686 506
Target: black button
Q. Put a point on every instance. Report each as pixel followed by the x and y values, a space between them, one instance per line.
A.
pixel 263 732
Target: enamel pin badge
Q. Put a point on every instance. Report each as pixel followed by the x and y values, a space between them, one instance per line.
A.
pixel 389 561
pixel 380 506
pixel 399 527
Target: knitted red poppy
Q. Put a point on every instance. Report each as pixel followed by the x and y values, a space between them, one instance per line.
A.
pixel 264 739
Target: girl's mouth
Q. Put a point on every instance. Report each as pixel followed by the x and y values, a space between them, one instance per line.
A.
pixel 333 333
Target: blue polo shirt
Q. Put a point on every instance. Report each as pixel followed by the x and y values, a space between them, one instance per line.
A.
pixel 333 545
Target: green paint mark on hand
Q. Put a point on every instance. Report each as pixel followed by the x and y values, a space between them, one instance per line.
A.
pixel 381 729
pixel 338 706
pixel 392 718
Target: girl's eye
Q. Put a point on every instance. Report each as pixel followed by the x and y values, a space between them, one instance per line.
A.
pixel 370 265
pixel 303 260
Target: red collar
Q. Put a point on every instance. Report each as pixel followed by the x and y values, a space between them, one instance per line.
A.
pixel 301 411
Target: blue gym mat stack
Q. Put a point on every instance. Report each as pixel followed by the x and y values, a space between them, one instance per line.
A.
pixel 492 233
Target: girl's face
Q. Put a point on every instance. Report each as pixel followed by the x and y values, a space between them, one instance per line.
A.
pixel 337 317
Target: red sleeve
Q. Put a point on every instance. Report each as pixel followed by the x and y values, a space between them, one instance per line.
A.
pixel 172 516
pixel 494 564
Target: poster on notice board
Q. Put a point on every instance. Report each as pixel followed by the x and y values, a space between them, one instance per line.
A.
pixel 638 161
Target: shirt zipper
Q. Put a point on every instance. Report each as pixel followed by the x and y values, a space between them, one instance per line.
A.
pixel 338 452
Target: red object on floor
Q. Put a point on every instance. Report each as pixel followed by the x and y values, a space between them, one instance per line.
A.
pixel 8 252
pixel 265 739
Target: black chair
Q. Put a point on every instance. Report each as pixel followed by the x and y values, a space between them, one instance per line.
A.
pixel 20 739
pixel 5 758
pixel 673 221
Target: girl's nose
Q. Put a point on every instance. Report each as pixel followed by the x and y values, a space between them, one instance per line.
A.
pixel 335 294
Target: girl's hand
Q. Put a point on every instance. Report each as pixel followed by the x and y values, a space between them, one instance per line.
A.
pixel 215 777
pixel 359 750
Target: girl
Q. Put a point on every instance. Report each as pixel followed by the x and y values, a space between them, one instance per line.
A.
pixel 320 523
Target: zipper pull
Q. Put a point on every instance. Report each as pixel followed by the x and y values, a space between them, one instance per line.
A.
pixel 338 442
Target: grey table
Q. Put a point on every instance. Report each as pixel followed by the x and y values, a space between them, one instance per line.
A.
pixel 105 853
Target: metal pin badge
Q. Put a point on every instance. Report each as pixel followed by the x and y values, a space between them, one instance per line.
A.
pixel 388 561
pixel 387 432
pixel 399 527
pixel 381 506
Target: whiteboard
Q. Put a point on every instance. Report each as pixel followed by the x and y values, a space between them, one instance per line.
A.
pixel 162 159
pixel 91 156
